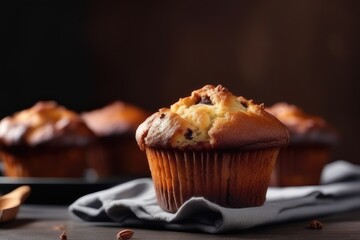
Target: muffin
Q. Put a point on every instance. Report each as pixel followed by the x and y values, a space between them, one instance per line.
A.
pixel 211 144
pixel 46 140
pixel 116 152
pixel 311 142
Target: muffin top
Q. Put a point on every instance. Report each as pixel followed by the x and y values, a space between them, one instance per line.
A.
pixel 116 118
pixel 45 123
pixel 212 118
pixel 303 127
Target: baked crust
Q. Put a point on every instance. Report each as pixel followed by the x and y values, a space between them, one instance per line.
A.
pixel 212 118
pixel 304 127
pixel 115 119
pixel 45 123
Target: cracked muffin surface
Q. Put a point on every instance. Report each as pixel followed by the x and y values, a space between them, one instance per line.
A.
pixel 212 118
pixel 304 127
pixel 45 123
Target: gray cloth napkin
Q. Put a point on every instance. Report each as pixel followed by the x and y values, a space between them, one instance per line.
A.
pixel 134 204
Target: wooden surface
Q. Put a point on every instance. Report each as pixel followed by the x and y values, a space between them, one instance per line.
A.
pixel 45 222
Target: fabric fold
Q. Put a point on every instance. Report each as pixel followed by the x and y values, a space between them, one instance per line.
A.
pixel 134 204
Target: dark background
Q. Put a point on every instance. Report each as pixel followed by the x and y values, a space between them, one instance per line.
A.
pixel 85 54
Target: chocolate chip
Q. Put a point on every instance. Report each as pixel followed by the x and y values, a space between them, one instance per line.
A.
pixel 188 134
pixel 162 116
pixel 244 103
pixel 205 100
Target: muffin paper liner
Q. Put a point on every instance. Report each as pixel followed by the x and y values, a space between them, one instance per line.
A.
pixel 228 178
pixel 64 162
pixel 299 166
pixel 118 156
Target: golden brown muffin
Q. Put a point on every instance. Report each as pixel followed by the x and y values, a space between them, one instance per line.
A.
pixel 211 144
pixel 46 140
pixel 116 152
pixel 311 141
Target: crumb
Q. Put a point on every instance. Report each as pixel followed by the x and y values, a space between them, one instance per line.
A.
pixel 59 228
pixel 315 224
pixel 63 236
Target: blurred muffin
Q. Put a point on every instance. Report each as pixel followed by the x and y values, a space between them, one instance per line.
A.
pixel 211 144
pixel 116 152
pixel 46 140
pixel 311 141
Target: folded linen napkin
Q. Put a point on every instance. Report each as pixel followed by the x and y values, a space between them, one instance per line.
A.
pixel 134 204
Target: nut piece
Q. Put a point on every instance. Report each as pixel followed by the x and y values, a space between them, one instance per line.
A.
pixel 315 224
pixel 125 234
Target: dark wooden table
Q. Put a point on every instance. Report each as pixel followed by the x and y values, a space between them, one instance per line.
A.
pixel 44 222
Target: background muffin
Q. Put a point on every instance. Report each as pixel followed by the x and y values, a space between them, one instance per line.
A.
pixel 46 140
pixel 309 150
pixel 211 144
pixel 116 152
